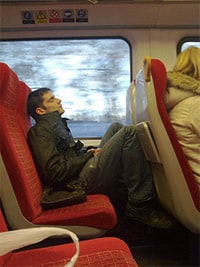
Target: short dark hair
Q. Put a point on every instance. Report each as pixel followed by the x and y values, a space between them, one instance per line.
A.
pixel 35 100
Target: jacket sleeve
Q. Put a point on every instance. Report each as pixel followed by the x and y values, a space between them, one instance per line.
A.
pixel 53 167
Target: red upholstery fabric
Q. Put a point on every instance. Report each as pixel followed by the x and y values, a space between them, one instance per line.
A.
pixel 97 211
pixel 14 148
pixel 94 253
pixel 159 80
pixel 3 228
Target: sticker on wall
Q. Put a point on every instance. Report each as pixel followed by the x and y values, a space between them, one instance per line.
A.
pixel 27 17
pixel 41 16
pixel 81 15
pixel 55 16
pixel 68 15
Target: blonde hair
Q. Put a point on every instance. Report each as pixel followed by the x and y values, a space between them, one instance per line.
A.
pixel 188 62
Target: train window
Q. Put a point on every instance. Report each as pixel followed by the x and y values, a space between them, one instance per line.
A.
pixel 91 77
pixel 186 42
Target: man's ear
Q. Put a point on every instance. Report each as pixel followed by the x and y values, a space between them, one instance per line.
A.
pixel 40 111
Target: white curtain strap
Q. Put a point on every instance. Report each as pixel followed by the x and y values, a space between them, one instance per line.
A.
pixel 16 239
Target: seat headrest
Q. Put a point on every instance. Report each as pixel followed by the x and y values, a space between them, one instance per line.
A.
pixel 8 78
pixel 14 95
pixel 156 69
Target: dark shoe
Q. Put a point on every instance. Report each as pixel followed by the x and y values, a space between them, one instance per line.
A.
pixel 150 215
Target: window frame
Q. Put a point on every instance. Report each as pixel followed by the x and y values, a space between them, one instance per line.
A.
pixel 185 40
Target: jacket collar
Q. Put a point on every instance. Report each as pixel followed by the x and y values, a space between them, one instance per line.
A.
pixel 55 116
pixel 54 120
pixel 183 82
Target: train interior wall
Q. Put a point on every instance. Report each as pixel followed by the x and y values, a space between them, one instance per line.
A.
pixel 151 28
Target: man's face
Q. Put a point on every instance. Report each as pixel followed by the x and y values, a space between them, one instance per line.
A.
pixel 50 104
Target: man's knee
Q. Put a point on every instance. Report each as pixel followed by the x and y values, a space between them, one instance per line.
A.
pixel 127 128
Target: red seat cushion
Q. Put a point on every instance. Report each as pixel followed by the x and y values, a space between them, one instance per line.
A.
pixel 97 211
pixel 94 253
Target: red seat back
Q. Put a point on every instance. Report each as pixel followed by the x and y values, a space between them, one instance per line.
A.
pixel 175 183
pixel 159 80
pixel 15 151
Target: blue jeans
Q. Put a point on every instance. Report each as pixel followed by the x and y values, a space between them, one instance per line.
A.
pixel 120 160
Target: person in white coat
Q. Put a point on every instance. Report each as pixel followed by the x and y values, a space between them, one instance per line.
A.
pixel 182 100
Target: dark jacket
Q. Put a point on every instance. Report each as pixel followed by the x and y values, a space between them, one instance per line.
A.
pixel 57 157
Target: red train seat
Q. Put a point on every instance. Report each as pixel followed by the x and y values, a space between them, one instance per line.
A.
pixel 21 188
pixel 174 180
pixel 96 252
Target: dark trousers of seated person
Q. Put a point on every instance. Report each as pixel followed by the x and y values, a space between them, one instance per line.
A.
pixel 121 160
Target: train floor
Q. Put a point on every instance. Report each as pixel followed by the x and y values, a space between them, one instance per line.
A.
pixel 153 247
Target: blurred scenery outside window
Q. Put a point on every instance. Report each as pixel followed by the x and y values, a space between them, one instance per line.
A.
pixel 90 76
